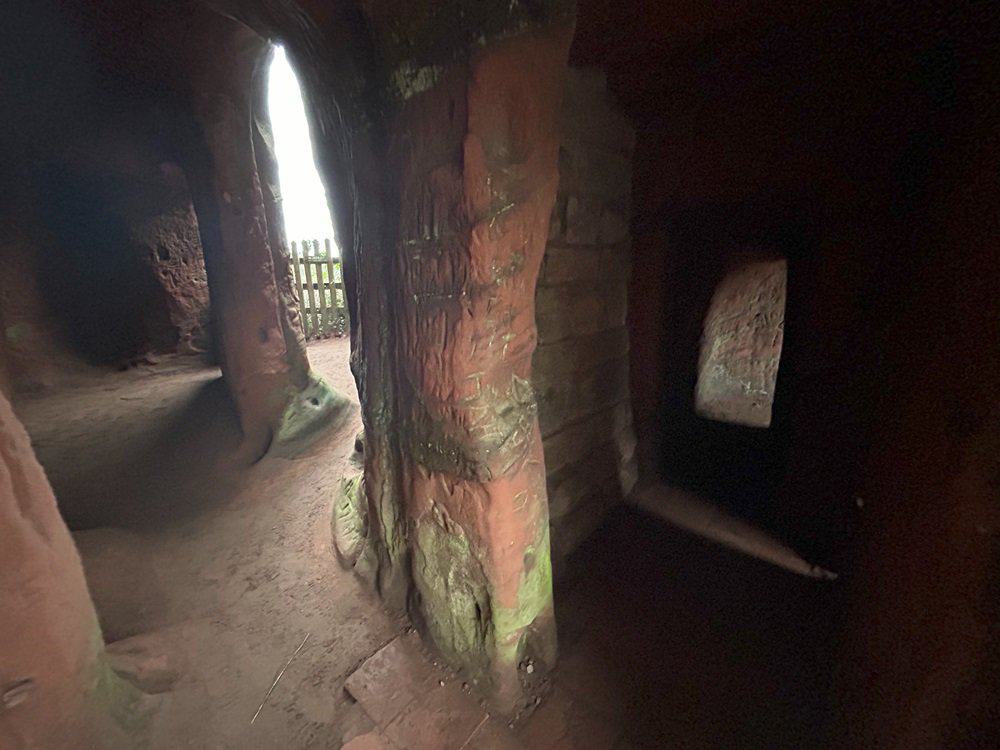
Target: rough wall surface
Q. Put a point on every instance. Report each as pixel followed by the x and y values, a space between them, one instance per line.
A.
pixel 861 140
pixel 165 233
pixel 581 364
pixel 98 225
pixel 922 645
pixel 104 267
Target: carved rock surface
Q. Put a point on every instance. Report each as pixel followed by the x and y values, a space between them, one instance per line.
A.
pixel 741 345
pixel 479 177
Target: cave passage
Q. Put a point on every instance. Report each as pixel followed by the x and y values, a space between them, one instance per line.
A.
pixel 499 374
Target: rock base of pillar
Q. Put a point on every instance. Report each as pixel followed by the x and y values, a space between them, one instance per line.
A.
pixel 447 594
pixel 312 412
pixel 456 605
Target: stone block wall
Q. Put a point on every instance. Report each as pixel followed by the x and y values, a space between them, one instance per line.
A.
pixel 581 364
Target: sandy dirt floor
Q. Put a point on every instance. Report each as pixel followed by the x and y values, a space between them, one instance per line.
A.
pixel 219 573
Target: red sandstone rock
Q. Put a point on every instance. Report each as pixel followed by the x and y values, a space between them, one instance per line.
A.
pixel 473 235
pixel 263 356
pixel 55 690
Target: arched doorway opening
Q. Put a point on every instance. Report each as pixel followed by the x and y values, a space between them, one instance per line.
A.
pixel 303 205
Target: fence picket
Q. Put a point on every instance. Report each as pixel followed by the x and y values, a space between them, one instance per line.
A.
pixel 297 273
pixel 318 274
pixel 324 309
pixel 317 287
pixel 307 269
pixel 341 293
pixel 334 309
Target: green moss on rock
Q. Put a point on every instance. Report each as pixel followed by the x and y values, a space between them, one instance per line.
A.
pixel 534 596
pixel 455 604
pixel 310 411
pixel 350 519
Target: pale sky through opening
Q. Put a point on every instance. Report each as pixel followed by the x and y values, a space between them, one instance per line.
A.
pixel 304 206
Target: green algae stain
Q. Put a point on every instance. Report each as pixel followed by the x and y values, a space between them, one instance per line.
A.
pixel 460 611
pixel 116 707
pixel 350 519
pixel 534 596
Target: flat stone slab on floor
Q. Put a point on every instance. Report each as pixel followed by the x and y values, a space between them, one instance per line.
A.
pixel 416 706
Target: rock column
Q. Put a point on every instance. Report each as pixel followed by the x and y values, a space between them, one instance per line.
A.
pixel 478 156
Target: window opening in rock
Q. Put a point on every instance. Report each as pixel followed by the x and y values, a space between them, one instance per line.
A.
pixel 741 344
pixel 305 210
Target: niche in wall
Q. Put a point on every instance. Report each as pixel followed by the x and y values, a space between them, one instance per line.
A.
pixel 741 342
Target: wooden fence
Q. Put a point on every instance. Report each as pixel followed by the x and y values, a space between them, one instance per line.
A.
pixel 319 281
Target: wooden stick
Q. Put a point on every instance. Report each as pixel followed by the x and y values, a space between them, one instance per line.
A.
pixel 698 516
pixel 317 285
pixel 321 296
pixel 271 689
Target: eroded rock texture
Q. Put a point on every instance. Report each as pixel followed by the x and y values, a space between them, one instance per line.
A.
pixel 164 229
pixel 105 259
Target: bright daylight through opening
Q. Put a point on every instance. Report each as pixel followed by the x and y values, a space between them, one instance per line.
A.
pixel 304 206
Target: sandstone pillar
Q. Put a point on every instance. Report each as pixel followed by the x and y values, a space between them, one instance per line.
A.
pixel 438 131
pixel 263 353
pixel 241 274
pixel 267 167
pixel 477 154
